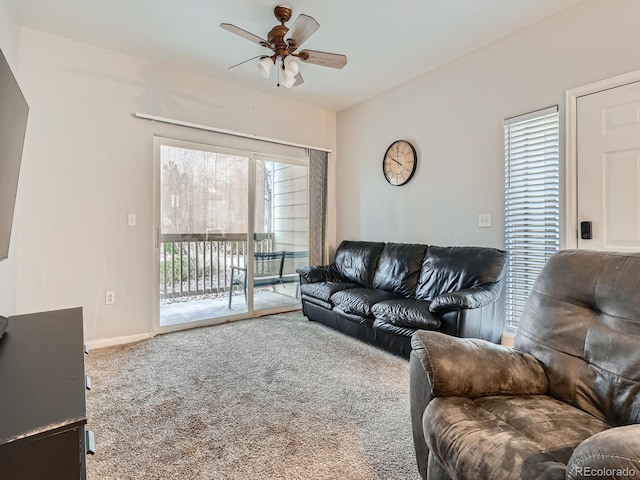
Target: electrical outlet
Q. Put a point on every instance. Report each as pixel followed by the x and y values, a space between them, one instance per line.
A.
pixel 110 298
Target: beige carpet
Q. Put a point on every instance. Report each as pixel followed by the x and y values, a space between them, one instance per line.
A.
pixel 272 398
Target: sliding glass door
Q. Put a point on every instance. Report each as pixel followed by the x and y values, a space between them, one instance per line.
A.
pixel 217 258
pixel 281 215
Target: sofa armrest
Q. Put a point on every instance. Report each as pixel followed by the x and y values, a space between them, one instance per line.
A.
pixel 468 298
pixel 319 273
pixel 614 453
pixel 470 367
pixel 419 397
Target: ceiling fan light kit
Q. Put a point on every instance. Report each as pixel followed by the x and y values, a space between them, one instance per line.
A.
pixel 283 42
pixel 265 65
pixel 291 67
pixel 288 82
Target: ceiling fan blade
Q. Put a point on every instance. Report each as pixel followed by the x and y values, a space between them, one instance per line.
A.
pixel 244 34
pixel 301 30
pixel 299 80
pixel 245 61
pixel 326 59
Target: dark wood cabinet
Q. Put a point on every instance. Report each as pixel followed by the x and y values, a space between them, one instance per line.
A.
pixel 42 397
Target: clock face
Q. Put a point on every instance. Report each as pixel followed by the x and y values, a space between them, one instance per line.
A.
pixel 399 163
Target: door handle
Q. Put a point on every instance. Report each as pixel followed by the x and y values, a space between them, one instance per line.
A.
pixel 586 232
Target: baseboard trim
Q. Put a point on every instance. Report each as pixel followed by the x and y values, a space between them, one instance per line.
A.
pixel 110 342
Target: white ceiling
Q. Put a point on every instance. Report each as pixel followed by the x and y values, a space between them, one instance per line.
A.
pixel 386 43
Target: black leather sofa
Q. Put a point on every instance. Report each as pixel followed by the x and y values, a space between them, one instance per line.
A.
pixel 382 293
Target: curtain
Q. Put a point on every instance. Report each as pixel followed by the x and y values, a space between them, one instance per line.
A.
pixel 317 206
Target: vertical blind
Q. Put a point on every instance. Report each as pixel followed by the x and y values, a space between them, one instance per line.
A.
pixel 532 202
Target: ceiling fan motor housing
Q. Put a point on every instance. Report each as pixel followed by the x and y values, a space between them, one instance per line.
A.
pixel 276 36
pixel 276 40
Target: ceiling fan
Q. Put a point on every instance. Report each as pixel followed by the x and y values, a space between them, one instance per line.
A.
pixel 284 42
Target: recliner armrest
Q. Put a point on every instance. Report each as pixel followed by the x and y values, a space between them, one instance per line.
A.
pixel 470 367
pixel 468 298
pixel 319 273
pixel 614 453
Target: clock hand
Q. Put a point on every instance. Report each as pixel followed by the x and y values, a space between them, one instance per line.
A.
pixel 396 161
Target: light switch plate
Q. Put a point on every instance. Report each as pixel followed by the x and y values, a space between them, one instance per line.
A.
pixel 484 220
pixel 131 219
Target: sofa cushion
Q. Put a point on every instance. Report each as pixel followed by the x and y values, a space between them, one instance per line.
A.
pixel 390 328
pixel 308 300
pixel 505 437
pixel 447 269
pixel 407 312
pixel 359 301
pixel 346 319
pixel 357 261
pixel 324 290
pixel 399 267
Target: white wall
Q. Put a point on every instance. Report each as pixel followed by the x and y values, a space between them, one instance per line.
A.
pixel 454 117
pixel 9 43
pixel 9 33
pixel 88 163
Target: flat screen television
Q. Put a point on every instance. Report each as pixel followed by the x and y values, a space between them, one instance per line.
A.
pixel 13 125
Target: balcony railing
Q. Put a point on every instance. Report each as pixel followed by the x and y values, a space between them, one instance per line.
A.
pixel 200 264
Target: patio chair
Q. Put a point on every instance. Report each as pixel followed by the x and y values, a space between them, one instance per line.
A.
pixel 270 268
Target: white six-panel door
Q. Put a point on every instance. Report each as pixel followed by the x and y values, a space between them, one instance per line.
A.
pixel 608 168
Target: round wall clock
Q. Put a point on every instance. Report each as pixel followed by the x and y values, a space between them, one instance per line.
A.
pixel 399 163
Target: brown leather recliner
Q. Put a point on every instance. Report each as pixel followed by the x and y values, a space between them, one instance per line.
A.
pixel 564 403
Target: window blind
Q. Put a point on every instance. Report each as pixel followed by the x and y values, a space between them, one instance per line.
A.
pixel 532 203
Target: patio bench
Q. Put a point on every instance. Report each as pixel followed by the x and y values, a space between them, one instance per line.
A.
pixel 270 268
